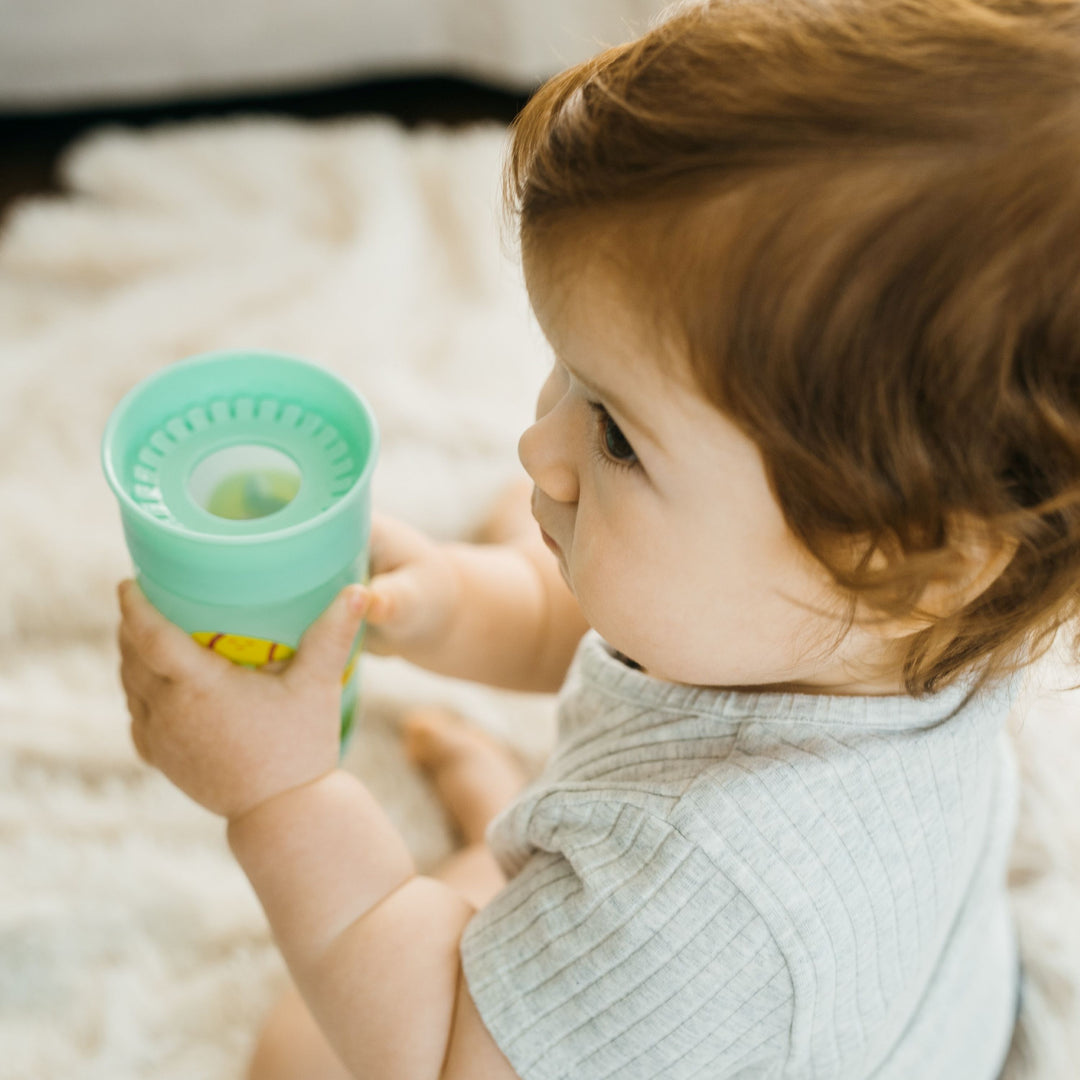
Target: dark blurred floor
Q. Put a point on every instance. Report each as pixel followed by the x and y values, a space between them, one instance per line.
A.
pixel 31 144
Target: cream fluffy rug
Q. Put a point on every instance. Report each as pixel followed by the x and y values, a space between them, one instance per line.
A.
pixel 130 944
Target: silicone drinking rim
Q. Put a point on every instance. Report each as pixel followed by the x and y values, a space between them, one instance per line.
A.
pixel 250 539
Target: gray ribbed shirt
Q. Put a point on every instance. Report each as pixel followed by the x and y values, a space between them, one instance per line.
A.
pixel 714 884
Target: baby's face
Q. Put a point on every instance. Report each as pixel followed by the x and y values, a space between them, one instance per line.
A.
pixel 658 510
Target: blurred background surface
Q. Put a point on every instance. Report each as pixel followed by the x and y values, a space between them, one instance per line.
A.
pixel 31 142
pixel 67 65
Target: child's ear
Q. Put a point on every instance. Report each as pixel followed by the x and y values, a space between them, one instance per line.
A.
pixel 982 552
pixel 981 555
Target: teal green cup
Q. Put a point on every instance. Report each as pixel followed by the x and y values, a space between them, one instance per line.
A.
pixel 244 484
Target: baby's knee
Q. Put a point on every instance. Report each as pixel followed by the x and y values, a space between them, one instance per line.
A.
pixel 291 1046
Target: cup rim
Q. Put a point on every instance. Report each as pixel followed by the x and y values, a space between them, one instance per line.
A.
pixel 130 507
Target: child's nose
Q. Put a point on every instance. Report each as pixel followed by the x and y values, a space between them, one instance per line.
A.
pixel 542 449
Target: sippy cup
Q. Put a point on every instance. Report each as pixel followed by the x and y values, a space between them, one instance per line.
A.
pixel 244 484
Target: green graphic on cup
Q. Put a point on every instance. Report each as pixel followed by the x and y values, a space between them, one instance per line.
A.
pixel 244 484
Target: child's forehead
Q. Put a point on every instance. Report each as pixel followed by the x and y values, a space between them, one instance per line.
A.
pixel 613 260
pixel 569 278
pixel 614 342
pixel 587 302
pixel 643 262
pixel 615 280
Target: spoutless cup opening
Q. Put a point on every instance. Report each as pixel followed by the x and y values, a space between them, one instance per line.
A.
pixel 244 485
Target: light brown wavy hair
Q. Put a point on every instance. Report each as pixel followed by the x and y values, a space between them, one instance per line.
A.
pixel 861 218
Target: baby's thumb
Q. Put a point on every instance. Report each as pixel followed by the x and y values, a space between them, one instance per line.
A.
pixel 391 600
pixel 325 647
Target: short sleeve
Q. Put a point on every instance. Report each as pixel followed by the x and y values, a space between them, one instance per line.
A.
pixel 619 950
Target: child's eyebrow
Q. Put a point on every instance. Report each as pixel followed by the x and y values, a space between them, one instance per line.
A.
pixel 620 407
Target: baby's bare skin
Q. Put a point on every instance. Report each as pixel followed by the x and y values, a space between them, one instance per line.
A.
pixel 475 777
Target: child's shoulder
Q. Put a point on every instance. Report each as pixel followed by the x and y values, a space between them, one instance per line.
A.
pixel 760 772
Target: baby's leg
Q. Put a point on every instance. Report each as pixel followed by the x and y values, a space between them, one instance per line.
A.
pixel 291 1046
pixel 475 778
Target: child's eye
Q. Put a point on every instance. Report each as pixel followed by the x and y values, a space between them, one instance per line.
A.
pixel 613 442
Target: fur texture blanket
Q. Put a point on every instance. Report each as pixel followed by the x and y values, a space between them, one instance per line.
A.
pixel 130 944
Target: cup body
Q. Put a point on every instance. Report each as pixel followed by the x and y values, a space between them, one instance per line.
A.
pixel 244 484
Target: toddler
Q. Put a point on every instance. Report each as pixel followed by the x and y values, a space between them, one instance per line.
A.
pixel 806 471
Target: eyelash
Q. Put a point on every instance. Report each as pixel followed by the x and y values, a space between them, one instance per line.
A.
pixel 603 452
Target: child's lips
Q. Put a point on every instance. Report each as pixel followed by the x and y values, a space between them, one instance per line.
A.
pixel 550 543
pixel 554 548
pixel 545 536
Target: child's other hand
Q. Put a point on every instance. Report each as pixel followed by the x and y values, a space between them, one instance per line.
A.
pixel 232 737
pixel 414 590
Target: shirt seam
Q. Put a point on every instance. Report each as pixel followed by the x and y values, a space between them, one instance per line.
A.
pixel 763 717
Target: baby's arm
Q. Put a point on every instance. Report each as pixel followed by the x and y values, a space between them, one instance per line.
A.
pixel 372 947
pixel 496 613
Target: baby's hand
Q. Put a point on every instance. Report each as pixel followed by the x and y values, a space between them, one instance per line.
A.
pixel 413 594
pixel 228 736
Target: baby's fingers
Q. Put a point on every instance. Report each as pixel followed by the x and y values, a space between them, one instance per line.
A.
pixel 136 678
pixel 140 686
pixel 409 600
pixel 139 733
pixel 155 642
pixel 392 601
pixel 393 544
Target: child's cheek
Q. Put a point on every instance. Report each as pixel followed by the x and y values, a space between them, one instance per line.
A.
pixel 610 590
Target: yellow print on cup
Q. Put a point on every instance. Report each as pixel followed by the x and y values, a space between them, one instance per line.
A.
pixel 254 652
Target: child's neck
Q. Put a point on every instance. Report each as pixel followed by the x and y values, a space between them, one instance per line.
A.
pixel 838 677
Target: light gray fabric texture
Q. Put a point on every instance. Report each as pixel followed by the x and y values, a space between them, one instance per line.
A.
pixel 717 884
